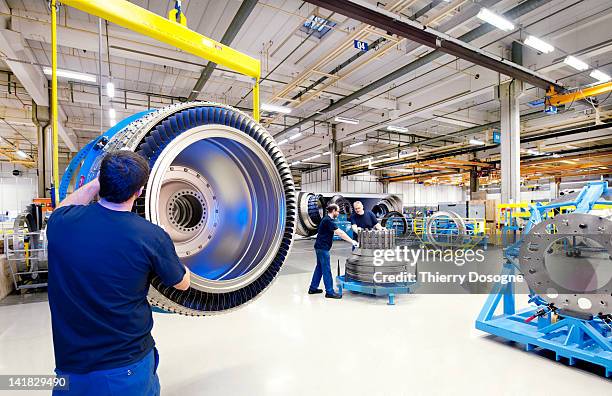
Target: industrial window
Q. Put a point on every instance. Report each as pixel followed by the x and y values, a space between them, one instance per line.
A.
pixel 320 26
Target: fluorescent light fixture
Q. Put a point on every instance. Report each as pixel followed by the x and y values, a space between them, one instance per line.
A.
pixel 356 144
pixel 295 163
pixel 539 45
pixel 368 159
pixel 110 89
pixel 494 19
pixel 275 109
pixel 575 63
pixel 396 128
pixel 313 157
pixel 282 142
pixel 112 113
pixel 383 156
pixel 533 152
pixel 21 154
pixel 600 76
pixel 477 142
pixel 326 153
pixel 296 136
pixel 555 155
pixel 71 75
pixel 345 120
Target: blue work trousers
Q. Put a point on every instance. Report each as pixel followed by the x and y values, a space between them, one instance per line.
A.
pixel 323 269
pixel 136 379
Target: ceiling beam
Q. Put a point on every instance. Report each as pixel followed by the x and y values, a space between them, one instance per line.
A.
pixel 414 31
pixel 240 18
pixel 32 78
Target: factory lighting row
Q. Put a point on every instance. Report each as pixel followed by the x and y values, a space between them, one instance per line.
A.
pixel 540 45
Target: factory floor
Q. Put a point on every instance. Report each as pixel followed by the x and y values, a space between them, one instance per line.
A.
pixel 289 342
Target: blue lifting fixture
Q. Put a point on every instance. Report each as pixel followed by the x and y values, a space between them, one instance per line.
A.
pixel 570 337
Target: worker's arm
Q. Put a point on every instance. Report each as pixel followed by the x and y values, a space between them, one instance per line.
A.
pixel 186 282
pixel 345 236
pixel 355 228
pixel 83 195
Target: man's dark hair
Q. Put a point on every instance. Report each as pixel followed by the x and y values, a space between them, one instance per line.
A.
pixel 122 174
pixel 332 207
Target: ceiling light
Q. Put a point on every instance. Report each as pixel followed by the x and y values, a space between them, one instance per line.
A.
pixel 110 89
pixel 555 155
pixel 495 20
pixel 396 128
pixel 296 136
pixel 295 163
pixel 356 144
pixel 533 152
pixel 275 109
pixel 477 142
pixel 112 113
pixel 71 75
pixel 538 44
pixel 575 63
pixel 21 154
pixel 345 120
pixel 313 157
pixel 600 76
pixel 383 156
pixel 282 142
pixel 326 153
pixel 368 159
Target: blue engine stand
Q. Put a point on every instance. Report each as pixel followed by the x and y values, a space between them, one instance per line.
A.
pixel 569 337
pixel 373 289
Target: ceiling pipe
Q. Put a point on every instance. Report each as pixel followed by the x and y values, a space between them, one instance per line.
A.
pixel 240 18
pixel 480 31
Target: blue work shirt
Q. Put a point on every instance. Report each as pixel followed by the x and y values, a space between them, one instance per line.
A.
pixel 101 263
pixel 325 234
pixel 367 220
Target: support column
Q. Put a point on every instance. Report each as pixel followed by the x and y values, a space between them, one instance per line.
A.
pixel 554 186
pixel 509 94
pixel 385 186
pixel 41 118
pixel 335 149
pixel 474 180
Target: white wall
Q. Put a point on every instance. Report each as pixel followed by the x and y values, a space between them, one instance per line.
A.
pixel 16 192
pixel 419 194
pixel 319 181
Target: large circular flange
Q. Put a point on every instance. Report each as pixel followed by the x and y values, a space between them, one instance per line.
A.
pixel 452 239
pixel 256 241
pixel 540 242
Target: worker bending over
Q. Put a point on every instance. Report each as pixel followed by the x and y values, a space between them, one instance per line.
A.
pixel 363 219
pixel 323 244
pixel 102 258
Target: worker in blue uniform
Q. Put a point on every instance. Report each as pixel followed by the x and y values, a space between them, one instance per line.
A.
pixel 327 230
pixel 363 219
pixel 102 257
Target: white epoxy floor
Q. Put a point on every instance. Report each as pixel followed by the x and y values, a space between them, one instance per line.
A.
pixel 288 342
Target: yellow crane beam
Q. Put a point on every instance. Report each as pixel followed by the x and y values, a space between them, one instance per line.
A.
pixel 140 20
pixel 557 99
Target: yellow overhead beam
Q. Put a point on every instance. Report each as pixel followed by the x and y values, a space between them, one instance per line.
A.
pixel 555 99
pixel 137 19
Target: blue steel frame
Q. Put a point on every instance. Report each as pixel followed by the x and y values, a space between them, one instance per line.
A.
pixel 569 337
pixel 374 289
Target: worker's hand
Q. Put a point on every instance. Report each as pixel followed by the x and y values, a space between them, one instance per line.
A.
pixel 355 244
